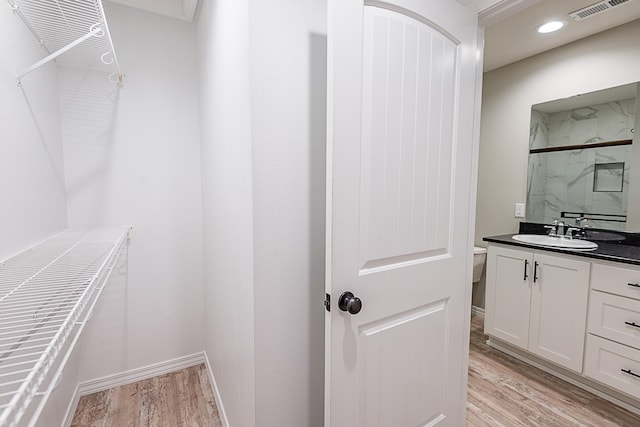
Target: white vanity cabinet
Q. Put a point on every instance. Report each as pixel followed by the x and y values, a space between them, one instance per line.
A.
pixel 538 302
pixel 612 354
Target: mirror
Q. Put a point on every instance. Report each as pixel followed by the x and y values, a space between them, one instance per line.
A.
pixel 580 159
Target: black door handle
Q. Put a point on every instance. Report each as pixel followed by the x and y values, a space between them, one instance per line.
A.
pixel 535 271
pixel 526 264
pixel 349 302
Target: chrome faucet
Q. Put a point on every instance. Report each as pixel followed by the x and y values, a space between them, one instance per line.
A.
pixel 578 232
pixel 553 228
pixel 580 221
pixel 556 229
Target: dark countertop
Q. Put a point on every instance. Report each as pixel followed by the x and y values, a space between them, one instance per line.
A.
pixel 618 246
pixel 606 251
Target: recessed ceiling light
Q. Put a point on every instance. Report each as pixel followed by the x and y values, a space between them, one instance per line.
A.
pixel 550 27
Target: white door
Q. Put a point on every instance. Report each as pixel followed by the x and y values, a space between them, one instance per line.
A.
pixel 401 98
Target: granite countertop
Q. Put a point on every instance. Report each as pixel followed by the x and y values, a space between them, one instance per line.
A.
pixel 618 246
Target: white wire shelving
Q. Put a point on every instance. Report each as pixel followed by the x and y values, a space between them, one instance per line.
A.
pixel 47 294
pixel 73 32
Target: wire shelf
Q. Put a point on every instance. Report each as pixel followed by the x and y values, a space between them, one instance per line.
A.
pixel 74 32
pixel 46 292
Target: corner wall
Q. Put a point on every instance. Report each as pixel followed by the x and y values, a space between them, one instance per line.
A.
pixel 288 115
pixel 263 79
pixel 227 191
pixel 141 168
pixel 31 163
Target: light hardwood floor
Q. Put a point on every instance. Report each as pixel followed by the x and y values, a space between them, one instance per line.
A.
pixel 504 391
pixel 179 399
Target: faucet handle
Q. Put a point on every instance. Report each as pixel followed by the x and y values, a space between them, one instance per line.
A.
pixel 570 231
pixel 552 228
pixel 580 221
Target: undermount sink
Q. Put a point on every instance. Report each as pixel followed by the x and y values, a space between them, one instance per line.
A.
pixel 556 242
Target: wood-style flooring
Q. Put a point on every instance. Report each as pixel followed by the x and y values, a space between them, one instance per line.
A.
pixel 504 391
pixel 179 399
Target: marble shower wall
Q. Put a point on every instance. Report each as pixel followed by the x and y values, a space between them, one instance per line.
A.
pixel 539 130
pixel 563 180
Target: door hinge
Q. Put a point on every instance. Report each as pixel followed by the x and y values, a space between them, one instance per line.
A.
pixel 327 302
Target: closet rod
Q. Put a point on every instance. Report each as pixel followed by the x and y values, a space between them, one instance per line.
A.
pixel 95 31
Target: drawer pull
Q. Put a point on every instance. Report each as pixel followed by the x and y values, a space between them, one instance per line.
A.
pixel 635 285
pixel 634 324
pixel 628 371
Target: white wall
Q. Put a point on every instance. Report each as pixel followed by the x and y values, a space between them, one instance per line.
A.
pixel 143 172
pixel 223 52
pixel 288 117
pixel 33 199
pixel 611 58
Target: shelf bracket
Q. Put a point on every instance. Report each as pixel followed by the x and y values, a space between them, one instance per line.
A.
pixel 95 31
pixel 17 11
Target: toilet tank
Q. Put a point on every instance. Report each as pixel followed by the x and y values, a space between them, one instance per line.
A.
pixel 479 256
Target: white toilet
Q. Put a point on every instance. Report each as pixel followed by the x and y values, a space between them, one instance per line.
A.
pixel 479 256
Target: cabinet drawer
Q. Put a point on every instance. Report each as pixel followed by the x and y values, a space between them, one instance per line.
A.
pixel 614 317
pixel 606 360
pixel 616 280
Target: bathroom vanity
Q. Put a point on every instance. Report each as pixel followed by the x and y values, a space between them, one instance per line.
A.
pixel 575 314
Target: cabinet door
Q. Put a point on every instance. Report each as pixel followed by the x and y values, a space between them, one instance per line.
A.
pixel 507 295
pixel 559 296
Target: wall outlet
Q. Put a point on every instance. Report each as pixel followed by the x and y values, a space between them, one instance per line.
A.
pixel 519 210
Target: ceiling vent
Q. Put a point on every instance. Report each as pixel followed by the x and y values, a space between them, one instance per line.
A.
pixel 595 9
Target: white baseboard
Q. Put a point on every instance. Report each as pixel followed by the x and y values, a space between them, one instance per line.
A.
pixel 216 392
pixel 139 374
pixel 71 409
pixel 477 310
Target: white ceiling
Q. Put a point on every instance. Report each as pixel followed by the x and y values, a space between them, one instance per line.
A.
pixel 179 9
pixel 514 38
pixel 508 40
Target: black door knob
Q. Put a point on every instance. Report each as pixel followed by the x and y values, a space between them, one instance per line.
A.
pixel 349 302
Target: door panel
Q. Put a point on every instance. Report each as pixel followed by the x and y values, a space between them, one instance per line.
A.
pixel 409 73
pixel 400 357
